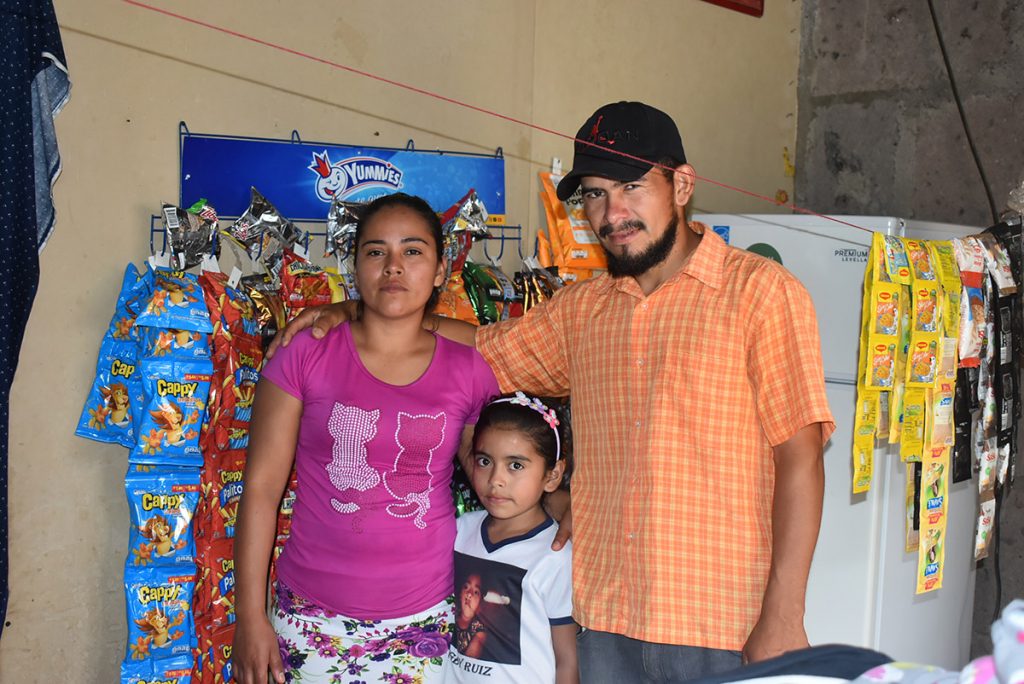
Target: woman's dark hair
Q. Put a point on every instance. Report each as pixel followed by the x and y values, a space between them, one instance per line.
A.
pixel 508 416
pixel 418 206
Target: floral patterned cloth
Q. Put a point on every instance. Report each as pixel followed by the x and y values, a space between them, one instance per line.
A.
pixel 319 645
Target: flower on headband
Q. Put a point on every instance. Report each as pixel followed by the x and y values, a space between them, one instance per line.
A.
pixel 535 404
pixel 520 399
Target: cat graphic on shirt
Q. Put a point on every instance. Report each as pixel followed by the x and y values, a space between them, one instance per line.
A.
pixel 409 480
pixel 352 429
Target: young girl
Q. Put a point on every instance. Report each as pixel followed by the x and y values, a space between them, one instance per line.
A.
pixel 513 593
pixel 372 416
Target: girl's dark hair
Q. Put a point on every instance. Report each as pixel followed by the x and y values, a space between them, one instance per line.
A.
pixel 508 416
pixel 418 206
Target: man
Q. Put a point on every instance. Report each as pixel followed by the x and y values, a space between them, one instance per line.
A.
pixel 699 418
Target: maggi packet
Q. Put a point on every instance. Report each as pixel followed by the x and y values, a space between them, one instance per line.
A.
pixel 161 504
pixel 159 604
pixel 176 391
pixel 176 302
pixel 107 414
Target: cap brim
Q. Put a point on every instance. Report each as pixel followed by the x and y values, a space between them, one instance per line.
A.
pixel 620 169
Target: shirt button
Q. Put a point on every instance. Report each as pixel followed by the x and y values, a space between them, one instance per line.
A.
pixel 639 362
pixel 630 535
pixel 644 306
pixel 638 423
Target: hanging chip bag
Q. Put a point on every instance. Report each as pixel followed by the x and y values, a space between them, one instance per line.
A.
pixel 159 603
pixel 176 302
pixel 162 503
pixel 176 391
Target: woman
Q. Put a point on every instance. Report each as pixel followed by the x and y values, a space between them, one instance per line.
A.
pixel 371 416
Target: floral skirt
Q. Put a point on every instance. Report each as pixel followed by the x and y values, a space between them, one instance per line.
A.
pixel 319 645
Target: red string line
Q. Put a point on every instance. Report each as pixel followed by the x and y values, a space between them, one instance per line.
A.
pixel 466 105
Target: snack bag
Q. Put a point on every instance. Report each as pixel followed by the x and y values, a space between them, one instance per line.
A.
pixel 220 654
pixel 934 504
pixel 544 254
pixel 161 504
pixel 986 520
pixel 107 413
pixel 970 259
pixel 580 247
pixel 998 264
pixel 176 302
pixel 971 339
pixel 159 603
pixel 123 322
pixel 226 492
pixel 454 301
pixel 343 285
pixel 229 306
pixel 264 232
pixel 190 233
pixel 482 290
pixel 267 305
pixel 158 343
pixel 176 670
pixel 303 283
pixel 176 391
pixel 222 556
pixel 246 376
pixel 342 220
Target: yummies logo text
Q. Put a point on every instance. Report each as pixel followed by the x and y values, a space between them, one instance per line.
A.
pixel 346 177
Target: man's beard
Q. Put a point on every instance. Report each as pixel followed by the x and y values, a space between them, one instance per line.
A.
pixel 620 266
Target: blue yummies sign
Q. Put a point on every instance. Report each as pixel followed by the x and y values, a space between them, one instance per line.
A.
pixel 302 178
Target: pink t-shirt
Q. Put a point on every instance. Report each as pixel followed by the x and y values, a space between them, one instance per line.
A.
pixel 373 525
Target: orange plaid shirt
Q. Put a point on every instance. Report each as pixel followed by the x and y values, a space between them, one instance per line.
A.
pixel 677 399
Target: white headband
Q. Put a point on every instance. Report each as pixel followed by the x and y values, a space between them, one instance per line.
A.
pixel 548 414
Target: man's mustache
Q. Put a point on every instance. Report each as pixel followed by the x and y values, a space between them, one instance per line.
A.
pixel 607 229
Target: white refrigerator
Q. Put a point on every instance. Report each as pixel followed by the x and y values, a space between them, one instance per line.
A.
pixel 862 582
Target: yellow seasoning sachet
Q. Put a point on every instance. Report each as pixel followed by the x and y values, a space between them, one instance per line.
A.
pixel 914 416
pixel 934 506
pixel 895 255
pixel 864 426
pixel 944 259
pixel 919 256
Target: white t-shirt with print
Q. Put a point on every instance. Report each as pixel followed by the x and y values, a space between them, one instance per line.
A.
pixel 526 588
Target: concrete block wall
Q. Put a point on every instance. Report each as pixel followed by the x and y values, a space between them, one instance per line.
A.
pixel 878 133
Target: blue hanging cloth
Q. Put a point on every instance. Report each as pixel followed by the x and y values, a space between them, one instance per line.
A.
pixel 35 84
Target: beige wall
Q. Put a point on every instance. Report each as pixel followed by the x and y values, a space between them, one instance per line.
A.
pixel 727 78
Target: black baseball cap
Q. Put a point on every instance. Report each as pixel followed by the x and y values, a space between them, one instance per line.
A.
pixel 633 128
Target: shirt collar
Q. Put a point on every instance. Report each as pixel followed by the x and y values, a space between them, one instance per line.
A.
pixel 708 261
pixel 706 264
